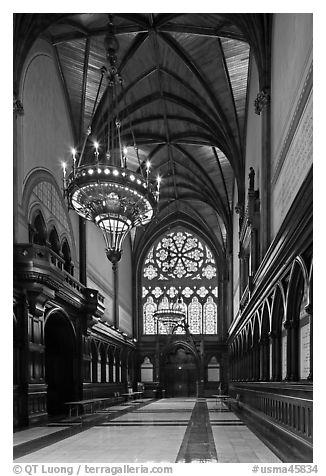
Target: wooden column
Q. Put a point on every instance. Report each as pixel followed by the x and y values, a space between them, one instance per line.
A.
pixel 256 361
pixel 266 356
pixel 23 316
pixel 294 375
pixel 287 326
pixel 251 364
pixel 274 338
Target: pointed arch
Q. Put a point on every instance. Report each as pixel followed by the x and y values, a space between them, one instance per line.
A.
pixel 38 231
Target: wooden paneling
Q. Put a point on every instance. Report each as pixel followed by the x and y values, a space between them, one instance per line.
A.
pixel 287 408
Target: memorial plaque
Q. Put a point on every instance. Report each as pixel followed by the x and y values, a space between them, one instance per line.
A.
pixel 147 371
pixel 304 336
pixel 284 360
pixel 147 375
pixel 213 374
pixel 295 168
pixel 114 373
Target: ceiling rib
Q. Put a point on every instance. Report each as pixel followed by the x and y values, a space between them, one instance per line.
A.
pixel 78 35
pixel 226 71
pixel 156 117
pixel 163 18
pixel 66 94
pixel 223 179
pixel 203 185
pixel 156 49
pixel 199 31
pixel 219 205
pixel 193 161
pixel 84 85
pixel 187 105
pixel 135 18
pixel 221 119
pixel 138 41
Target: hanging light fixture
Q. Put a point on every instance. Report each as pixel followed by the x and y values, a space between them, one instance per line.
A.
pixel 100 187
pixel 171 315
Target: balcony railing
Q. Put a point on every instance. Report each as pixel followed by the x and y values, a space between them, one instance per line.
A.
pixel 42 258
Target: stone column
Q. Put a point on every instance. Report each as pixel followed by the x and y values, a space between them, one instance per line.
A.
pixel 242 270
pixel 115 270
pixel 157 360
pixel 262 107
pixel 201 369
pixel 82 252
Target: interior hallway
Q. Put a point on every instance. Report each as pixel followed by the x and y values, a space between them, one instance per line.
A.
pixel 174 430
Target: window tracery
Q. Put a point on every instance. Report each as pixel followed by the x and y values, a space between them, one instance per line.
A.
pixel 180 264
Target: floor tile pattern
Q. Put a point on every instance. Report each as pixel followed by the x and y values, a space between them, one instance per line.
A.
pixel 198 444
pixel 167 430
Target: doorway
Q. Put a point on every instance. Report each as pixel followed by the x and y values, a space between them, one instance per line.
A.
pixel 59 363
pixel 180 373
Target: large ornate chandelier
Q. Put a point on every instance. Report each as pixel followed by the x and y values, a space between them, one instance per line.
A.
pixel 100 187
pixel 171 316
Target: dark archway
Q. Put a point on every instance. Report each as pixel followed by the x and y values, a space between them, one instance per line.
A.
pixel 180 372
pixel 68 266
pixel 54 241
pixel 38 230
pixel 59 363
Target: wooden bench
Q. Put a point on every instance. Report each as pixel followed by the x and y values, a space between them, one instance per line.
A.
pixel 92 402
pixel 222 398
pixel 132 395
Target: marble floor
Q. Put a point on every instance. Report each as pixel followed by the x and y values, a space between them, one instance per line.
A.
pixel 174 430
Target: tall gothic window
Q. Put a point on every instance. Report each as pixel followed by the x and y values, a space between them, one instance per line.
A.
pixel 181 265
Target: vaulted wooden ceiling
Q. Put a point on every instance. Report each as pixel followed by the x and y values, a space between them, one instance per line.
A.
pixel 185 91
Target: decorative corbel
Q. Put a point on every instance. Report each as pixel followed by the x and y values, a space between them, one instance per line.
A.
pixel 18 107
pixel 262 100
pixel 94 307
pixel 239 209
pixel 38 296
